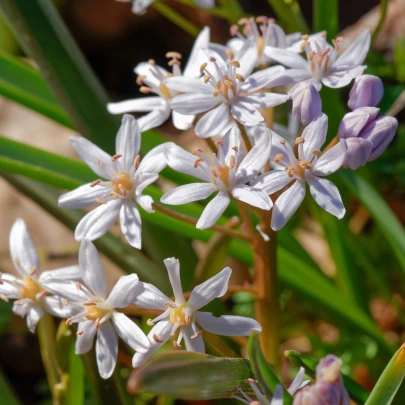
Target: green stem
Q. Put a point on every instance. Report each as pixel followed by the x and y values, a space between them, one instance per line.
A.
pixel 46 337
pixel 215 11
pixel 383 11
pixel 176 18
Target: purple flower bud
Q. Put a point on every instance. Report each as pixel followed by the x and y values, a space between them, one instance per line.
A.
pixel 354 122
pixel 380 132
pixel 358 152
pixel 328 388
pixel 307 104
pixel 367 91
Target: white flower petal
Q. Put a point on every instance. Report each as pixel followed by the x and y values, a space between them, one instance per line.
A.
pixel 213 122
pixel 130 332
pixel 124 291
pixel 205 3
pixel 152 74
pixel 83 196
pixel 150 297
pixel 162 331
pixel 94 157
pixel 262 79
pixel 22 249
pixel 128 141
pixel 97 222
pixel 33 317
pixel 210 289
pixel 272 181
pixel 278 396
pixel 214 209
pixel 106 349
pixel 55 306
pixel 297 382
pixel 294 76
pixel 265 100
pixel 286 205
pixel 341 79
pixel 92 269
pixel 10 291
pixel 331 160
pixel 155 118
pixel 65 289
pixel 326 195
pixel 155 161
pixel 181 121
pixel 64 273
pixel 23 307
pixel 279 146
pixel 245 113
pixel 173 268
pixel 247 57
pixel 286 57
pixel 314 136
pixel 196 58
pixel 188 193
pixel 84 342
pixel 143 104
pixel 188 85
pixel 227 325
pixel 140 6
pixel 255 197
pixel 146 201
pixel 193 345
pixel 131 224
pixel 193 103
pixel 143 180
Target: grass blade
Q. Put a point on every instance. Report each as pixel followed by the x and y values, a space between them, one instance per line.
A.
pixel 290 16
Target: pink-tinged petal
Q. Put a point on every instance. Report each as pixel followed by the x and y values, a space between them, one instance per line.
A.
pixel 262 79
pixel 245 113
pixel 183 84
pixel 181 121
pixel 275 36
pixel 193 345
pixel 130 332
pixel 254 197
pixel 297 382
pixel 326 195
pixel 331 160
pixel 106 349
pixel 294 76
pixel 188 193
pixel 162 332
pixel 84 196
pixel 340 79
pixel 214 287
pixel 22 249
pixel 314 136
pixel 155 118
pixel 227 325
pixel 94 157
pixel 193 103
pixel 358 152
pixel 124 291
pixel 128 141
pixel 10 291
pixel 33 317
pixel 56 307
pixel 97 222
pixel 286 58
pixel 131 224
pixel 196 58
pixel 84 341
pixel 213 122
pixel 70 273
pixel 92 269
pixel 22 307
pixel 143 104
pixel 279 146
pixel 184 162
pixel 264 100
pixel 214 209
pixel 150 297
pixel 247 57
pixel 173 268
pixel 287 204
pixel 272 181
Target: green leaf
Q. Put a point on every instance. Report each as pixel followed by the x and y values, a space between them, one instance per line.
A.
pixel 326 17
pixel 263 371
pixel 390 380
pixel 356 391
pixel 6 314
pixel 234 9
pixel 189 375
pixel 43 35
pixel 7 394
pixel 290 16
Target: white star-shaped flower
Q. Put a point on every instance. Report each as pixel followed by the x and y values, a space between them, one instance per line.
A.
pixel 324 64
pixel 310 167
pixel 226 173
pixel 98 311
pixel 151 78
pixel 228 91
pixel 32 288
pixel 184 315
pixel 127 176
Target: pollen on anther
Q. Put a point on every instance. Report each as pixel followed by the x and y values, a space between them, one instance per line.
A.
pixel 174 62
pixel 156 339
pixel 212 59
pixel 79 333
pixel 235 63
pixel 137 160
pixel 116 157
pixel 100 201
pixel 65 301
pixel 69 321
pixel 174 54
pixel 4 298
pixel 317 152
pixel 305 37
pixel 197 162
pixel 299 140
pixel 262 19
pixel 304 45
pixel 235 148
pixel 202 67
pixel 145 89
pixel 95 183
pixel 279 157
pixel 176 345
pixel 195 336
pixel 149 322
pixel 232 162
pixel 78 286
pixel 32 271
pixel 152 61
pixel 207 78
pixel 282 141
pixel 239 77
pixel 140 79
pixel 100 163
pixel 196 150
pixel 230 54
pixel 97 323
pixel 215 92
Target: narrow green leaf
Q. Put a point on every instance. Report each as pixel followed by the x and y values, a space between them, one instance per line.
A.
pixel 290 16
pixel 390 380
pixel 263 371
pixel 326 17
pixel 189 375
pixel 383 15
pixel 356 391
pixel 234 9
pixel 43 35
pixel 7 394
pixel 6 314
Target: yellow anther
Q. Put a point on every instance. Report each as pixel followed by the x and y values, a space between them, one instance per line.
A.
pixel 29 288
pixel 299 140
pixel 279 157
pixel 156 339
pixel 178 316
pixel 95 183
pixel 202 67
pixel 230 54
pixel 207 78
pixel 239 77
pixel 173 54
pixel 145 89
pixel 116 157
pixel 137 161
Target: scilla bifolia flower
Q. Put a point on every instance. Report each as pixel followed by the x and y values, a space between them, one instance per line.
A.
pixel 306 102
pixel 310 167
pixel 98 314
pixel 151 78
pixel 126 178
pixel 184 316
pixel 228 91
pixel 328 388
pixel 30 288
pixel 225 173
pixel 367 91
pixel 324 64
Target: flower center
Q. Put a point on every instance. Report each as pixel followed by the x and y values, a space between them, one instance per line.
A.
pixel 93 312
pixel 30 288
pixel 299 168
pixel 178 316
pixel 165 91
pixel 122 183
pixel 221 173
pixel 260 44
